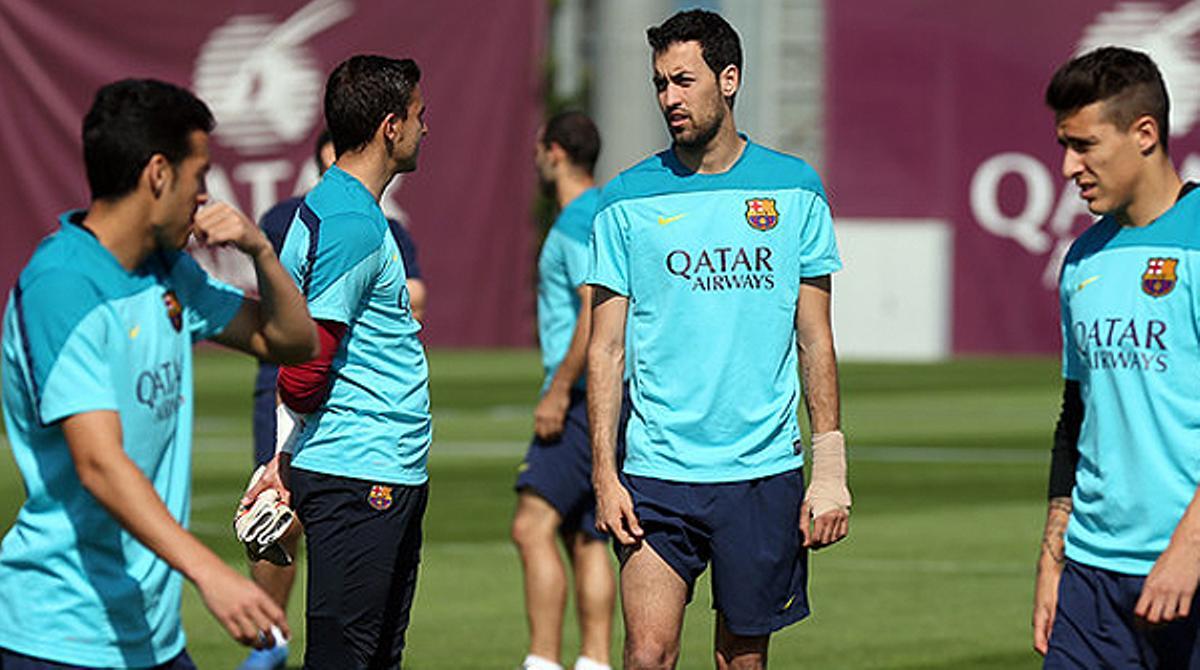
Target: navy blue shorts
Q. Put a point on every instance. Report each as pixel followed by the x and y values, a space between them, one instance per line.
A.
pixel 561 471
pixel 364 545
pixel 11 660
pixel 1094 626
pixel 264 414
pixel 749 531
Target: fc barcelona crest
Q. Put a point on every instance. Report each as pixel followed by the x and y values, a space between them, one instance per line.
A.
pixel 761 213
pixel 174 310
pixel 1160 277
pixel 380 497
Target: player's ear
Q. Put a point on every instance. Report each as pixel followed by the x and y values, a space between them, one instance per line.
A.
pixel 158 174
pixel 730 80
pixel 1145 132
pixel 390 127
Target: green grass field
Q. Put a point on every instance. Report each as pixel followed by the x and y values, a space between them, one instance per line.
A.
pixel 948 471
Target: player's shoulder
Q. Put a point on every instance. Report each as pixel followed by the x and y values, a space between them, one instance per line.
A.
pixel 1093 239
pixel 773 169
pixel 575 220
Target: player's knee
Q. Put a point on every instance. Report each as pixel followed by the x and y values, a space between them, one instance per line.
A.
pixel 529 531
pixel 650 654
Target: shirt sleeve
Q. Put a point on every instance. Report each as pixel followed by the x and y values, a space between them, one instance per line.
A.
pixel 818 244
pixel 208 304
pixel 69 344
pixel 344 268
pixel 609 251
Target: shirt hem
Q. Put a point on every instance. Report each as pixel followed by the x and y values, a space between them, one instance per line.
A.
pixel 86 655
pixel 689 476
pixel 402 479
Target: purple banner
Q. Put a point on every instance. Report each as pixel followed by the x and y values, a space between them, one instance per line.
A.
pixel 261 66
pixel 935 110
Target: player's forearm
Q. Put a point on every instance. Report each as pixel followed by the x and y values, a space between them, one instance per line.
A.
pixel 1053 536
pixel 606 365
pixel 1187 532
pixel 288 333
pixel 818 361
pixel 107 473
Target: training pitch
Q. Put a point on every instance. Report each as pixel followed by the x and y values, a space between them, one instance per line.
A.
pixel 948 469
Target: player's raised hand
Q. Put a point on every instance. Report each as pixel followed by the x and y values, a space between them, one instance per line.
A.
pixel 550 414
pixel 1169 588
pixel 614 512
pixel 220 223
pixel 243 609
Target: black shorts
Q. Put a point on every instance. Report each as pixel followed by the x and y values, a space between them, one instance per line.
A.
pixel 11 660
pixel 364 545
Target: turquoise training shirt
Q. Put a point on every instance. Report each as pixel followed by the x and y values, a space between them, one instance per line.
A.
pixel 711 265
pixel 1130 304
pixel 562 269
pixel 82 334
pixel 375 424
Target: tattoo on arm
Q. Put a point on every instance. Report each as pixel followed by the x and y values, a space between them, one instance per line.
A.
pixel 1056 527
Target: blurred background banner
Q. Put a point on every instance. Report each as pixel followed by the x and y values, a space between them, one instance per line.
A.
pixel 261 66
pixel 934 112
pixel 924 117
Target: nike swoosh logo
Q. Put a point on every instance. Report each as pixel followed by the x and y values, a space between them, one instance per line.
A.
pixel 1083 284
pixel 134 332
pixel 664 220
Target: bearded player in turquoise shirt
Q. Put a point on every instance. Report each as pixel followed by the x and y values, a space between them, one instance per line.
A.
pixel 1118 588
pixel 717 253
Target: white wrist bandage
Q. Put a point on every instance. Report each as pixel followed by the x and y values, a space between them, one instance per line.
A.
pixel 827 489
pixel 288 426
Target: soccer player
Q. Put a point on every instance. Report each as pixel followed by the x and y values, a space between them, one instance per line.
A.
pixel 97 381
pixel 554 487
pixel 718 253
pixel 1118 570
pixel 277 580
pixel 358 475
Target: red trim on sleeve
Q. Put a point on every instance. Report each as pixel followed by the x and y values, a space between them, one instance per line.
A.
pixel 303 388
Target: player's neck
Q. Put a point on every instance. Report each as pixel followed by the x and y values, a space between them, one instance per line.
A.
pixel 570 186
pixel 368 167
pixel 1154 195
pixel 719 155
pixel 123 228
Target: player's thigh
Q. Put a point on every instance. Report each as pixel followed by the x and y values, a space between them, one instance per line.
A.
pixel 653 597
pixel 759 564
pixel 363 543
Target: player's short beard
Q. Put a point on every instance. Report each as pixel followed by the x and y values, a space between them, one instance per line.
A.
pixel 703 135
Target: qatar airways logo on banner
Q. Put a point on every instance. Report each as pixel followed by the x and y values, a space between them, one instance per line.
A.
pixel 1045 224
pixel 265 85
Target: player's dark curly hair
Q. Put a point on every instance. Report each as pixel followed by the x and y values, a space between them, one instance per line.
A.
pixel 1127 81
pixel 128 123
pixel 361 92
pixel 719 42
pixel 577 135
